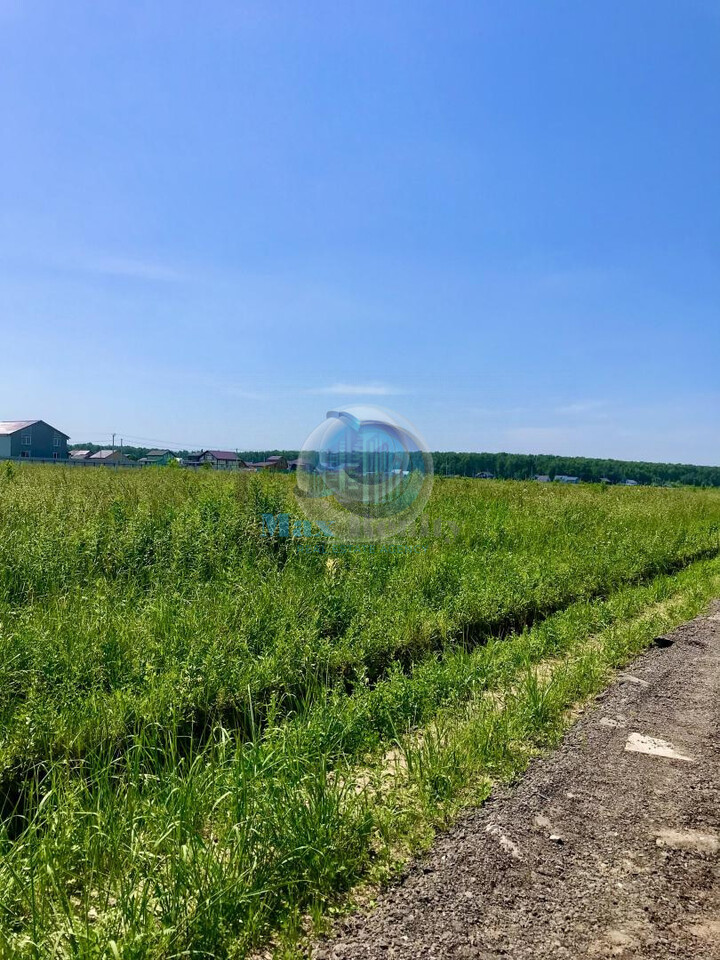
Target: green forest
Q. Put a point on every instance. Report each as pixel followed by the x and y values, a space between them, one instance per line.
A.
pixel 522 466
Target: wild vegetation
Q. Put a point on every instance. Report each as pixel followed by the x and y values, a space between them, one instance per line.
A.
pixel 207 734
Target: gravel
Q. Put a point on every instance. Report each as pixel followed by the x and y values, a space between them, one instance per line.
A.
pixel 599 851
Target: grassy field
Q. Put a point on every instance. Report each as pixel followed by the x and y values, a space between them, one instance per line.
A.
pixel 206 735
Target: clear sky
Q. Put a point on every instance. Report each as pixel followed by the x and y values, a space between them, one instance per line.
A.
pixel 500 218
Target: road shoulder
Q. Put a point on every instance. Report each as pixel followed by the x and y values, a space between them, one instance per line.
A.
pixel 609 846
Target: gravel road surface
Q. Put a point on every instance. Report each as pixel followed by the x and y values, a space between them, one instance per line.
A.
pixel 608 847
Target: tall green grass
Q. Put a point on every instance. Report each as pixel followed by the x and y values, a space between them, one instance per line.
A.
pixel 183 701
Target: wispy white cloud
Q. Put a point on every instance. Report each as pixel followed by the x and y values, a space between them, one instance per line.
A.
pixel 242 394
pixel 129 267
pixel 497 413
pixel 65 258
pixel 359 390
pixel 582 407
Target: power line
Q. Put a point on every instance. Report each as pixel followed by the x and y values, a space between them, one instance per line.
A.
pixel 170 444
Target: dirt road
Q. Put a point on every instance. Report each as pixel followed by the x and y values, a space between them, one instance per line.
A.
pixel 610 847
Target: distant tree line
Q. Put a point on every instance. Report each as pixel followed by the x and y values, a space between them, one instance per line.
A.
pixel 516 466
pixel 523 466
pixel 257 456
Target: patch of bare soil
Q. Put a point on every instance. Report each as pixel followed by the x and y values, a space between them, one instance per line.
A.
pixel 609 847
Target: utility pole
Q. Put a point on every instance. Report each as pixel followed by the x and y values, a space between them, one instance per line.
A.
pixel 113 443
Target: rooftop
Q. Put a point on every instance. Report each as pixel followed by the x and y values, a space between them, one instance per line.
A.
pixel 103 454
pixel 12 426
pixel 223 454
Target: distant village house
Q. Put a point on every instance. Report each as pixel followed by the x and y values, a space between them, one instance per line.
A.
pixel 32 440
pixel 110 457
pixel 272 463
pixel 157 458
pixel 219 460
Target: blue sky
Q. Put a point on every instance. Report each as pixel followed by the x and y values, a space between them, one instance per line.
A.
pixel 501 219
